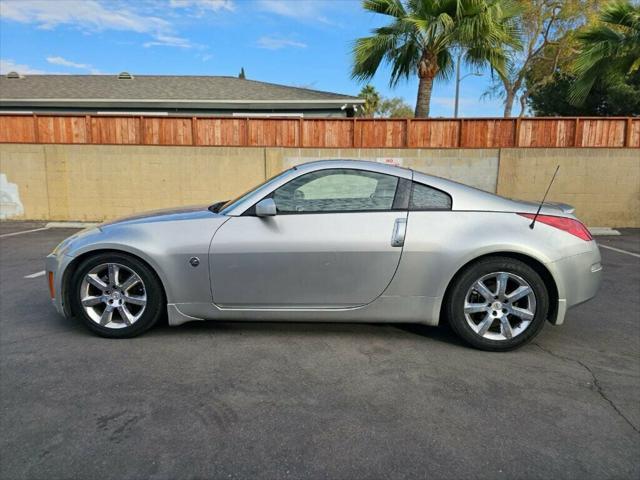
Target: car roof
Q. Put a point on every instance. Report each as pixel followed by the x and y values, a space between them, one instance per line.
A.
pixel 356 164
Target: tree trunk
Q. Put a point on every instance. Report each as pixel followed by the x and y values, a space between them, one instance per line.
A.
pixel 424 97
pixel 523 103
pixel 508 103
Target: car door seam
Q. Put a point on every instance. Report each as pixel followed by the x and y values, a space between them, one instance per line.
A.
pixel 209 257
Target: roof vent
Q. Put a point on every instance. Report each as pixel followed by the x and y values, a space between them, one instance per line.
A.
pixel 125 76
pixel 13 75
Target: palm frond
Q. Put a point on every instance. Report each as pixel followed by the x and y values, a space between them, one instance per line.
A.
pixel 622 14
pixel 403 60
pixel 368 53
pixel 446 65
pixel 609 49
pixel 423 33
pixel 393 8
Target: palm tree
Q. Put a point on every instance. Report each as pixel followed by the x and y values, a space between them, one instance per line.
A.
pixel 422 35
pixel 371 100
pixel 609 50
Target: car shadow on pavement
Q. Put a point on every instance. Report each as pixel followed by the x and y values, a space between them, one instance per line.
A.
pixel 442 333
pixel 310 329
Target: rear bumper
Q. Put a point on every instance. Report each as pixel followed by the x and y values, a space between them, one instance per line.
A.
pixel 578 279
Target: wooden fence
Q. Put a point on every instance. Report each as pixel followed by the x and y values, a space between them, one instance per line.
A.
pixel 322 132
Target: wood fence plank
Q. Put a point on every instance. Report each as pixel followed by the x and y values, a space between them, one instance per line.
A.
pixel 322 132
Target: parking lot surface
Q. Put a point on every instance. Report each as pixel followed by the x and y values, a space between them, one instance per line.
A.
pixel 300 400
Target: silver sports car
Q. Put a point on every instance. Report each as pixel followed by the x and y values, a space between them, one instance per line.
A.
pixel 336 241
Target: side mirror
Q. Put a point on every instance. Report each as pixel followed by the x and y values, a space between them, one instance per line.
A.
pixel 266 208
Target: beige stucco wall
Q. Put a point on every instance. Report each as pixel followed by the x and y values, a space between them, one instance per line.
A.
pixel 98 182
pixel 603 184
pixel 475 167
pixel 25 166
pixel 91 182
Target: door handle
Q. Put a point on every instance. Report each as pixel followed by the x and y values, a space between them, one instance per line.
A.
pixel 399 232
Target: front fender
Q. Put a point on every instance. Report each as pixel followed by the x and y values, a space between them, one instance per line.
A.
pixel 165 246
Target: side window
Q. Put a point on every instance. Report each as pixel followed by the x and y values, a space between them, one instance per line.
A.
pixel 337 190
pixel 427 198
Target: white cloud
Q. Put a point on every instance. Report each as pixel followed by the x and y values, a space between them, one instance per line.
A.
pixel 309 10
pixel 288 8
pixel 276 43
pixel 57 60
pixel 89 15
pixel 93 16
pixel 162 40
pixel 213 5
pixel 8 65
pixel 67 63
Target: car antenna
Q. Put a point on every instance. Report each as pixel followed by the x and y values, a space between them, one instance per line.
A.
pixel 533 222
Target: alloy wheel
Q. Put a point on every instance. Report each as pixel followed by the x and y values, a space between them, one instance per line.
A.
pixel 500 306
pixel 113 295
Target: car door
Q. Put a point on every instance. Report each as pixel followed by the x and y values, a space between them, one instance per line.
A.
pixel 335 241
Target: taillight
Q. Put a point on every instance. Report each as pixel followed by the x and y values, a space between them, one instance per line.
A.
pixel 569 225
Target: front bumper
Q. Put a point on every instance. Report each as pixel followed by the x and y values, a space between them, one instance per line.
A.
pixel 578 279
pixel 57 262
pixel 56 265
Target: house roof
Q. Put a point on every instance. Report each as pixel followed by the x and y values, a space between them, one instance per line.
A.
pixel 153 90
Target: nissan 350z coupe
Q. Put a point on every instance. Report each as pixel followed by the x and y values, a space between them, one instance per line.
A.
pixel 338 241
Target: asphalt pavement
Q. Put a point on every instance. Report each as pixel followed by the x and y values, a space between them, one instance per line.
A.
pixel 300 400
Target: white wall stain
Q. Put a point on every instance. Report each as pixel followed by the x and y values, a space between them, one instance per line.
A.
pixel 10 204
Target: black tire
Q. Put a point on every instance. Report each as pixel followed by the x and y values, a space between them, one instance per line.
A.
pixel 455 301
pixel 155 302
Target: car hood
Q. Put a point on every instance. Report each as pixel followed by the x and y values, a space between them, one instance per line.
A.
pixel 166 215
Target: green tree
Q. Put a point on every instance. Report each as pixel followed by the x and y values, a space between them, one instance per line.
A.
pixel 241 74
pixel 394 107
pixel 609 50
pixel 611 99
pixel 371 101
pixel 422 34
pixel 376 105
pixel 546 34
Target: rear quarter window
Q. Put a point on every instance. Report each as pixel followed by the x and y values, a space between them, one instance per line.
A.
pixel 424 197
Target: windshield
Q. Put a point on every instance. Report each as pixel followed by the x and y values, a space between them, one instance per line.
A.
pixel 239 199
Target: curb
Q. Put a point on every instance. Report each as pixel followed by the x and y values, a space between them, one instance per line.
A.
pixel 600 231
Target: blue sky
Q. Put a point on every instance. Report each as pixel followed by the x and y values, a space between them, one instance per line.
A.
pixel 294 42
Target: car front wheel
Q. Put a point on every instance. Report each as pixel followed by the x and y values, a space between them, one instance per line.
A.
pixel 498 303
pixel 116 295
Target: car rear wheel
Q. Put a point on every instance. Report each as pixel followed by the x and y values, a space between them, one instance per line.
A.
pixel 497 304
pixel 116 295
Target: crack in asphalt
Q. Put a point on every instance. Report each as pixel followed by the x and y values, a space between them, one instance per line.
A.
pixel 596 383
